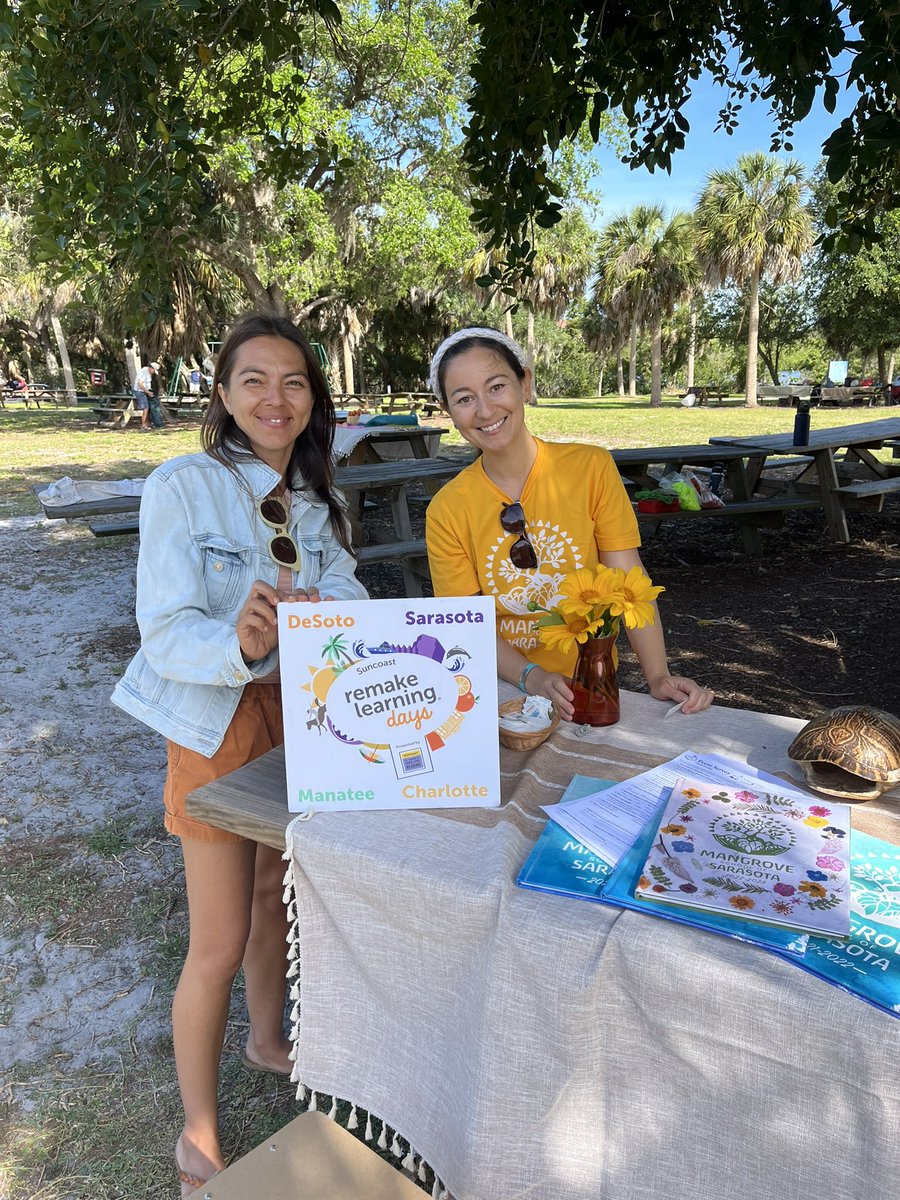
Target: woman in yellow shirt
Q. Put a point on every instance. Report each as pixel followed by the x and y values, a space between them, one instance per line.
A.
pixel 524 515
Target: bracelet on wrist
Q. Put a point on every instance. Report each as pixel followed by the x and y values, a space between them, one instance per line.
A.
pixel 528 667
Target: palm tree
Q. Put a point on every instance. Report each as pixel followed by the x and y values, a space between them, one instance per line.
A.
pixel 752 222
pixel 671 274
pixel 564 256
pixel 647 266
pixel 622 247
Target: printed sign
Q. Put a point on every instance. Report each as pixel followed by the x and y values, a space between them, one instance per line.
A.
pixel 390 703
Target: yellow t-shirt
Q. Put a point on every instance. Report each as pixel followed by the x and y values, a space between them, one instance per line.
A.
pixel 575 507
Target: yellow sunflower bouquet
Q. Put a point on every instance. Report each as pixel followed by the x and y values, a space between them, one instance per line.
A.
pixel 594 603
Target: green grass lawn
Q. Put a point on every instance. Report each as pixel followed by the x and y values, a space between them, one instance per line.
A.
pixel 38 447
pixel 617 423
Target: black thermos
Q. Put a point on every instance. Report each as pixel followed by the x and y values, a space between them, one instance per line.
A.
pixel 801 424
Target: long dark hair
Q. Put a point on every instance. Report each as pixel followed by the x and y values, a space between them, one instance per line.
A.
pixel 223 439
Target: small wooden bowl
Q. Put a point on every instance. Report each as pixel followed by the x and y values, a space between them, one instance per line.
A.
pixel 525 741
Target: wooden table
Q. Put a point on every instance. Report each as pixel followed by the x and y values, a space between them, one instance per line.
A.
pixel 252 801
pixel 116 410
pixel 360 475
pixel 420 439
pixel 643 1066
pixel 389 402
pixel 743 468
pixel 873 479
pixel 853 396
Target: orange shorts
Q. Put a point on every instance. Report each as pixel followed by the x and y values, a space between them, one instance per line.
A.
pixel 255 728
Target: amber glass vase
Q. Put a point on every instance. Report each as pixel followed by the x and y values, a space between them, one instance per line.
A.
pixel 595 684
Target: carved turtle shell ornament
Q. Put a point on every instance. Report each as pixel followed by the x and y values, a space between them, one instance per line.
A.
pixel 852 752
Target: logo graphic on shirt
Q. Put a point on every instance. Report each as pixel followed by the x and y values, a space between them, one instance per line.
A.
pixel 557 555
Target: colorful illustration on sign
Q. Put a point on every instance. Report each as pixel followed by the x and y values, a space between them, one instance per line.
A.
pixel 365 696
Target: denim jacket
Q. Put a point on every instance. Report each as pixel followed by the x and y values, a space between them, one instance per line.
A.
pixel 202 545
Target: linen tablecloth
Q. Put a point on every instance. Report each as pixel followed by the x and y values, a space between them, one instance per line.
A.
pixel 539 1048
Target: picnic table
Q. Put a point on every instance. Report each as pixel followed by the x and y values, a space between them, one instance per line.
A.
pixel 361 474
pixel 695 396
pixel 36 391
pixel 854 396
pixel 354 445
pixel 389 402
pixel 116 409
pixel 743 471
pixel 858 478
pixel 786 394
pixel 530 1044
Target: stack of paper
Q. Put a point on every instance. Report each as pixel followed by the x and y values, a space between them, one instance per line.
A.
pixel 579 855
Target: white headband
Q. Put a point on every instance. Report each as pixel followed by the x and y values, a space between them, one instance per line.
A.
pixel 462 335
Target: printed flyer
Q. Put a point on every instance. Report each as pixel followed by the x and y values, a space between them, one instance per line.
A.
pixel 390 704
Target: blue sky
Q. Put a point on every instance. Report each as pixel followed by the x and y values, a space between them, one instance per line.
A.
pixel 705 150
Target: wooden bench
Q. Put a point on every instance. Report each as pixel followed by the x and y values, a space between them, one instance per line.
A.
pixel 392 479
pixel 389 402
pixel 114 528
pixel 312 1158
pixel 117 411
pixel 187 404
pixel 854 396
pixel 767 512
pixel 379 552
pixel 864 488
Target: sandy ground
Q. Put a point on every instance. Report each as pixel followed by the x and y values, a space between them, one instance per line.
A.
pixel 81 827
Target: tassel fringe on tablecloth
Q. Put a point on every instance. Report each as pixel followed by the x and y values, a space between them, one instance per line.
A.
pixel 411 1161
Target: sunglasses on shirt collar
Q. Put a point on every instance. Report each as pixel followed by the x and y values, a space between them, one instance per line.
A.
pixel 521 552
pixel 282 548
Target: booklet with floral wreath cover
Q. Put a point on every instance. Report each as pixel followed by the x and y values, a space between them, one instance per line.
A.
pixel 766 856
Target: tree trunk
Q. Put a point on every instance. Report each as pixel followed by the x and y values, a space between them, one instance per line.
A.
pixel 347 352
pixel 752 342
pixel 692 347
pixel 882 371
pixel 64 358
pixel 632 361
pixel 267 299
pixel 529 355
pixel 132 361
pixel 600 385
pixel 507 323
pixel 620 373
pixel 771 366
pixel 656 364
pixel 890 370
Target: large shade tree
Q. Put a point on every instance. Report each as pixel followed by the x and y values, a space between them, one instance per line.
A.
pixel 857 298
pixel 752 222
pixel 271 139
pixel 541 75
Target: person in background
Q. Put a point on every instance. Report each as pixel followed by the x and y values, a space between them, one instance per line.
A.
pixel 17 385
pixel 145 397
pixel 525 514
pixel 226 534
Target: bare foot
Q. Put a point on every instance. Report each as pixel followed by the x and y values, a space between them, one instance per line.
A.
pixel 194 1167
pixel 266 1058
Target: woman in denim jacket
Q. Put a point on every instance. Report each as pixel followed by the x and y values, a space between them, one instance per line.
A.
pixel 225 535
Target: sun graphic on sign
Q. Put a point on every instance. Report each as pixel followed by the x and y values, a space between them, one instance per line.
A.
pixel 338 658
